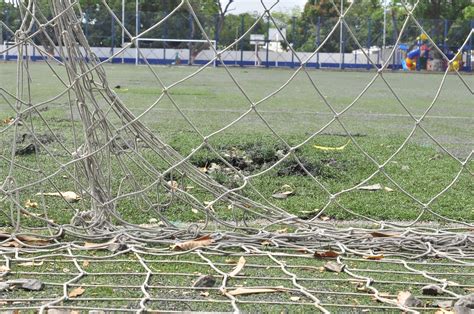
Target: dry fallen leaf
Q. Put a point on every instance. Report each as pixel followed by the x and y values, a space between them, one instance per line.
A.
pixel 406 299
pixel 373 187
pixel 194 210
pixel 30 240
pixel 4 268
pixel 294 299
pixel 76 292
pixel 378 234
pixel 173 185
pixel 387 189
pixel 32 263
pixel 85 263
pixel 69 196
pixel 204 294
pixel 326 254
pixel 374 257
pixel 245 291
pixel 104 245
pixel 240 265
pixel 284 192
pixel 334 267
pixel 192 244
pixel 324 218
pixel 31 204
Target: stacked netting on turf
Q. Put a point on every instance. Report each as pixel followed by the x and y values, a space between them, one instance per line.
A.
pixel 116 159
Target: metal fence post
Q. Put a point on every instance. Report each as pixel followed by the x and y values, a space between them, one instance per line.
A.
pixel 318 41
pixel 469 50
pixel 293 32
pixel 268 41
pixel 216 36
pixel 191 25
pixel 112 39
pixel 242 30
pixel 369 41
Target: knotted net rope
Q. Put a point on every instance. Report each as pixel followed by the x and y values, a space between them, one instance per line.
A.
pixel 116 159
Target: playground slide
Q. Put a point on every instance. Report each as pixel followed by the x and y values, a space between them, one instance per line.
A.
pixel 415 53
pixel 409 62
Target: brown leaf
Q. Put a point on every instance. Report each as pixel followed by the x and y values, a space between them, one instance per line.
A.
pixel 11 244
pixel 238 268
pixel 334 267
pixel 204 294
pixel 32 263
pixel 374 257
pixel 192 244
pixel 76 292
pixel 85 263
pixel 245 291
pixel 103 245
pixel 378 234
pixel 326 254
pixel 30 240
pixel 431 290
pixel 406 299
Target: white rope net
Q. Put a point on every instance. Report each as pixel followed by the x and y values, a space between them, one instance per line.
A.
pixel 89 256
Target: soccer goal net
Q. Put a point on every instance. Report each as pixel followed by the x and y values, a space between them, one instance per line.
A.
pixel 222 164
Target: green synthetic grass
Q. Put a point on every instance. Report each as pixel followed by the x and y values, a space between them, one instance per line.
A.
pixel 211 101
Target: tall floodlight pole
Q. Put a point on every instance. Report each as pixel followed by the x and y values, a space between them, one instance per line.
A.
pixel 340 35
pixel 123 27
pixel 137 29
pixel 384 25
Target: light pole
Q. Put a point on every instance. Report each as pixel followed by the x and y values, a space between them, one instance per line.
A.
pixel 384 24
pixel 123 27
pixel 340 34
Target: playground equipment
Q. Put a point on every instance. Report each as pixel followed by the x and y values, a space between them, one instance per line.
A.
pixel 418 57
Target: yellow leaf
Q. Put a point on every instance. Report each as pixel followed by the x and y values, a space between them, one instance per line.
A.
pixel 240 265
pixel 192 244
pixel 31 204
pixel 245 291
pixel 76 292
pixel 327 148
pixel 85 263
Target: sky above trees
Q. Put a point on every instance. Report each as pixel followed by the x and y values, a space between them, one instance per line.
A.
pixel 250 6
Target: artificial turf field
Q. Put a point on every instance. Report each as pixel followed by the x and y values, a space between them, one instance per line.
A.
pixel 379 125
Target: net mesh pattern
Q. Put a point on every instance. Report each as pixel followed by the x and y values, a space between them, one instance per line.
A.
pixel 115 160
